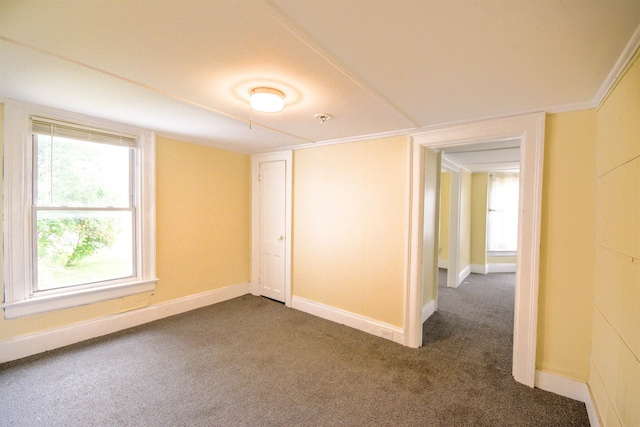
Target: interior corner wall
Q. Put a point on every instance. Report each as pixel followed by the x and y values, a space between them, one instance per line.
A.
pixel 203 206
pixel 445 205
pixel 567 245
pixel 615 363
pixel 350 234
pixel 203 231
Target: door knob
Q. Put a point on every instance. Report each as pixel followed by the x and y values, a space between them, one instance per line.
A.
pixel 280 237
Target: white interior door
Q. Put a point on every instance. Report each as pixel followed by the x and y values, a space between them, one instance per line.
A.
pixel 272 226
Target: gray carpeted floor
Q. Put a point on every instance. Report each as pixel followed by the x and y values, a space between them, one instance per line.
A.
pixel 253 362
pixel 475 321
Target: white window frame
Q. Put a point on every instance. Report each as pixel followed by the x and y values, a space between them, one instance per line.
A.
pixel 19 299
pixel 491 251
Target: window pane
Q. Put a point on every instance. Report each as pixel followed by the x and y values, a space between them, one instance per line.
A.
pixel 81 174
pixel 78 247
pixel 502 218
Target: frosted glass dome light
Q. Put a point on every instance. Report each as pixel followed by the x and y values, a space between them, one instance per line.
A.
pixel 266 99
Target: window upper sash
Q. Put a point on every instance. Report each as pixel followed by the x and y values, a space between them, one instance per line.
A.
pixel 44 126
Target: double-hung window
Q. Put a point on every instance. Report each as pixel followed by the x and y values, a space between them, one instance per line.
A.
pixel 502 218
pixel 78 211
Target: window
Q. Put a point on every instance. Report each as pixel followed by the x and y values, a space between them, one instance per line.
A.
pixel 502 218
pixel 80 196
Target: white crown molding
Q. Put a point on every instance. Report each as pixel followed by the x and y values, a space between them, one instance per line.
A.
pixel 620 65
pixel 448 164
pixel 566 108
pixel 390 134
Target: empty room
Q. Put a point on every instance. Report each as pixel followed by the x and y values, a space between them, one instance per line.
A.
pixel 238 212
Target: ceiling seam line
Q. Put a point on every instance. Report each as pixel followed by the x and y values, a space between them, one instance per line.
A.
pixel 150 88
pixel 280 16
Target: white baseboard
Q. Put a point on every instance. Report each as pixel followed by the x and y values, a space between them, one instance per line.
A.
pixel 28 345
pixel 569 388
pixel 464 273
pixel 501 268
pixel 443 263
pixel 365 324
pixel 493 268
pixel 428 309
pixel 479 268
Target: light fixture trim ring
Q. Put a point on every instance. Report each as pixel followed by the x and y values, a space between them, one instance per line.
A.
pixel 266 99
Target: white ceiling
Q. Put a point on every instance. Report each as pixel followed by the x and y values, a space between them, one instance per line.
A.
pixel 486 156
pixel 184 68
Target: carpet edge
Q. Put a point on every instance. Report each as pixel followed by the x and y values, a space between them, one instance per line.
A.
pixel 39 342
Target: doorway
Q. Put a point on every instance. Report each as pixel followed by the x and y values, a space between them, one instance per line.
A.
pixel 478 235
pixel 529 130
pixel 271 223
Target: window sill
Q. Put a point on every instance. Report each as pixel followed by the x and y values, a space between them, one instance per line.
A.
pixel 42 304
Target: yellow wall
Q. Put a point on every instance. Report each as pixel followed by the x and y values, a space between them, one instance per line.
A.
pixel 204 218
pixel 615 362
pixel 465 220
pixel 501 259
pixel 349 220
pixel 203 233
pixel 479 188
pixel 567 247
pixel 445 200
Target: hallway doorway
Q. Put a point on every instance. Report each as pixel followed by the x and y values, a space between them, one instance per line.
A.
pixel 529 130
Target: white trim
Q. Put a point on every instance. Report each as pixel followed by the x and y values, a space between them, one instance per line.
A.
pixel 448 164
pixel 572 389
pixel 479 268
pixel 566 108
pixel 455 202
pixel 493 268
pixel 620 65
pixel 356 321
pixel 530 130
pixel 504 267
pixel 368 137
pixel 464 273
pixel 28 345
pixel 428 309
pixel 443 263
pixel 498 254
pixel 74 298
pixel 256 159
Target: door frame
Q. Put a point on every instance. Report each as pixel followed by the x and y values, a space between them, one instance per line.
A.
pixel 453 242
pixel 529 129
pixel 256 160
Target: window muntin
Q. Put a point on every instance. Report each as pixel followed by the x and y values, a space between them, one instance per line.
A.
pixel 83 210
pixel 21 298
pixel 502 217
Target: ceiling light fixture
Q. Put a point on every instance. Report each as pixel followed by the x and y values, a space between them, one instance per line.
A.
pixel 322 117
pixel 266 99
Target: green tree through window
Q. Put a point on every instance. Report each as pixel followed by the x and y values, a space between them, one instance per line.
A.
pixel 83 211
